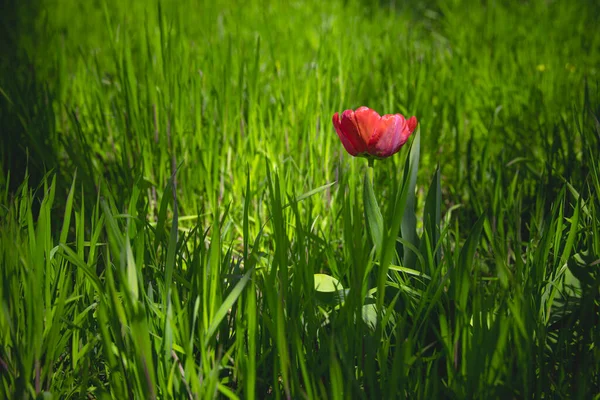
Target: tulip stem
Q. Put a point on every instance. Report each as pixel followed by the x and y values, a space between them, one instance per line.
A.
pixel 371 161
pixel 372 211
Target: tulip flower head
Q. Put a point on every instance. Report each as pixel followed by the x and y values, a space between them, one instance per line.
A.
pixel 364 133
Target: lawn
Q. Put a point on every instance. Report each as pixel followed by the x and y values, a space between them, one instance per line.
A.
pixel 179 219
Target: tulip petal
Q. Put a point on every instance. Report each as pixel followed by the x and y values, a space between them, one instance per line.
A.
pixel 412 124
pixel 366 121
pixel 388 136
pixel 349 129
pixel 348 145
pixel 365 133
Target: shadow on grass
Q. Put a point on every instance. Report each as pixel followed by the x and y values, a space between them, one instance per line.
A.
pixel 26 113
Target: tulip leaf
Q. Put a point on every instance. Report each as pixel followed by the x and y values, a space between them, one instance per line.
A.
pixel 372 211
pixel 329 290
pixel 409 220
pixel 432 216
pixel 369 315
pixel 326 283
pixel 397 223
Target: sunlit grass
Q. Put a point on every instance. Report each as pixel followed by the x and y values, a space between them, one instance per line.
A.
pixel 179 219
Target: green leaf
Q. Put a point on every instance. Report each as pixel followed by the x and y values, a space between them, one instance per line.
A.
pixel 462 272
pixel 396 221
pixel 409 220
pixel 329 290
pixel 326 283
pixel 572 234
pixel 369 315
pixel 309 194
pixel 432 216
pixel 372 211
pixel 226 305
pixel 67 215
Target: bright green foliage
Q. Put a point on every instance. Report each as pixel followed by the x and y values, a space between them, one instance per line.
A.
pixel 178 218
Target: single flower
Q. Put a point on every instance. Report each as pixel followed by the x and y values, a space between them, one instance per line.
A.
pixel 364 133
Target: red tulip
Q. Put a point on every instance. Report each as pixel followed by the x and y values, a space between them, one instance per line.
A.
pixel 364 133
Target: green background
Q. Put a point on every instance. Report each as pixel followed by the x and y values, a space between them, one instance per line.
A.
pixel 179 219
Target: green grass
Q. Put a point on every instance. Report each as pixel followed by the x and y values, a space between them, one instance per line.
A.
pixel 178 218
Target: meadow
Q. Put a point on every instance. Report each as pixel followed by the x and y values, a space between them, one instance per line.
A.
pixel 179 219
